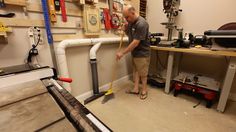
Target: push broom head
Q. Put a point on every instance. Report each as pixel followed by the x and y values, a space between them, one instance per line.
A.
pixel 108 96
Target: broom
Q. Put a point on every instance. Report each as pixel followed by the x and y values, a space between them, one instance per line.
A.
pixel 109 94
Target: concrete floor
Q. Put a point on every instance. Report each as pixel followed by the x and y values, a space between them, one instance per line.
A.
pixel 161 113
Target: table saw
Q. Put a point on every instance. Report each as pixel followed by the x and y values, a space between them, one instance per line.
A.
pixel 31 99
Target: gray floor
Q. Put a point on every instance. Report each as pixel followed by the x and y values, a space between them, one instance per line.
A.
pixel 161 113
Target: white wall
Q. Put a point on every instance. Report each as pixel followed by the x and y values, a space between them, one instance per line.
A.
pixel 197 17
pixel 15 52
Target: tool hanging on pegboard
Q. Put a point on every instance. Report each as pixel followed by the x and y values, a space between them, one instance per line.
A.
pixel 63 10
pixel 57 5
pixel 3 33
pixel 110 4
pixel 118 5
pixel 47 21
pixel 81 2
pixel 2 4
pixel 8 15
pixel 107 19
pixel 52 11
pixel 115 21
pixel 92 23
pixel 3 28
pixel 143 8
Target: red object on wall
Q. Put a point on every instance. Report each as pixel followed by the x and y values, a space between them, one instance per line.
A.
pixel 115 21
pixel 63 10
pixel 107 19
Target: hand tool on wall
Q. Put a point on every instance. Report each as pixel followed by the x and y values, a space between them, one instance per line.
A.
pixel 52 11
pixel 63 10
pixel 118 5
pixel 92 23
pixel 3 28
pixel 109 94
pixel 107 20
pixel 8 15
pixel 143 6
pixel 115 21
pixel 3 32
pixel 47 21
pixel 110 4
pixel 48 30
pixel 2 4
pixel 57 5
pixel 81 2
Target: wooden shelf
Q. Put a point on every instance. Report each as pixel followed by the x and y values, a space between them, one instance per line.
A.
pixel 60 37
pixel 18 22
pixel 16 2
pixel 36 7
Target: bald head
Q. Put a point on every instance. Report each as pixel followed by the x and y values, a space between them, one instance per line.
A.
pixel 130 13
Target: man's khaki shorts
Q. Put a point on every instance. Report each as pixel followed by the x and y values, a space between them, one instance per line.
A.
pixel 141 65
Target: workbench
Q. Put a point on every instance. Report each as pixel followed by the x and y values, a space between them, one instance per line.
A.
pixel 172 70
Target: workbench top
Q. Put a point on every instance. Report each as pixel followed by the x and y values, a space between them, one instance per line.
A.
pixel 196 51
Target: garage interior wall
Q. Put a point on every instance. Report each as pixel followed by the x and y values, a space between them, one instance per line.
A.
pixel 15 52
pixel 197 17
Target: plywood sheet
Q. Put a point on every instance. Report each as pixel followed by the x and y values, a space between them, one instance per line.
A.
pixel 61 126
pixel 21 91
pixel 29 115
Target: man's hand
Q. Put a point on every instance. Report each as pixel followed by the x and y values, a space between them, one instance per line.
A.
pixel 119 55
pixel 124 26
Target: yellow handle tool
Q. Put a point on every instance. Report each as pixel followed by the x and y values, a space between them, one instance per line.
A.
pixel 52 11
pixel 114 72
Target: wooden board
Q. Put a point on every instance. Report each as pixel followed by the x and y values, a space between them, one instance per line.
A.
pixel 16 2
pixel 92 22
pixel 18 92
pixel 61 126
pixel 60 37
pixel 35 7
pixel 195 51
pixel 29 115
pixel 19 22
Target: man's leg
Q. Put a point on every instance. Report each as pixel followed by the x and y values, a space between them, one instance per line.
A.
pixel 143 72
pixel 144 85
pixel 135 90
pixel 136 81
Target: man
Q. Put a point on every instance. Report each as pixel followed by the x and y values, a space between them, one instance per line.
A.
pixel 137 31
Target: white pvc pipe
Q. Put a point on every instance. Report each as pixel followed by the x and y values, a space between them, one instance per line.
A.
pixel 93 50
pixel 61 55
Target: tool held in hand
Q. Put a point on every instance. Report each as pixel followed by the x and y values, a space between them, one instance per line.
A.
pixel 109 94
